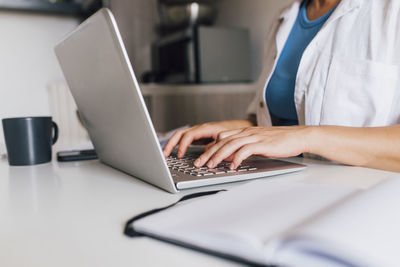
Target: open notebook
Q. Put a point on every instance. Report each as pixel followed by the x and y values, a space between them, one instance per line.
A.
pixel 288 224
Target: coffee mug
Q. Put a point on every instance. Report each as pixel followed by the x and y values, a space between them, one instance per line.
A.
pixel 29 140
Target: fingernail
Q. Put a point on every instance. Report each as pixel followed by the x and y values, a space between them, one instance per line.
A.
pixel 232 166
pixel 197 162
pixel 210 164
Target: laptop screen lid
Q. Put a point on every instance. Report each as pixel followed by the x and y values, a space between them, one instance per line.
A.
pixel 101 79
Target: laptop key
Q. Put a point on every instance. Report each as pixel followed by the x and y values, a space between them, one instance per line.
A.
pixel 224 168
pixel 216 171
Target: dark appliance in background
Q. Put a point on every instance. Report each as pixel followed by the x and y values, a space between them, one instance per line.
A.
pixel 191 50
pixel 203 55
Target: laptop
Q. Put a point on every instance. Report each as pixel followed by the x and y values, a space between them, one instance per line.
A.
pixel 101 79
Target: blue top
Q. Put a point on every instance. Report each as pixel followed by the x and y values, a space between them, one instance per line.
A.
pixel 280 89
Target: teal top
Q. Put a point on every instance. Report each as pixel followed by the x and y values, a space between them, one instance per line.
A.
pixel 280 89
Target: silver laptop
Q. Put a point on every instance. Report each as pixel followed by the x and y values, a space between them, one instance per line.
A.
pixel 103 84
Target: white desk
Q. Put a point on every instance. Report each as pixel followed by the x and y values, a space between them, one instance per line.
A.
pixel 72 214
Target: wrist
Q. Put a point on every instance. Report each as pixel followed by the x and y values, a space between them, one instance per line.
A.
pixel 311 136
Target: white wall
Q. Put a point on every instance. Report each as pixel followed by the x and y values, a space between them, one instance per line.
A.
pixel 255 15
pixel 27 61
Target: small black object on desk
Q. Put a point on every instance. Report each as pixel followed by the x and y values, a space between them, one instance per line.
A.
pixel 76 155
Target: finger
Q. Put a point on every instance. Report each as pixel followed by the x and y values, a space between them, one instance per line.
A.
pixel 204 158
pixel 244 152
pixel 230 158
pixel 189 136
pixel 230 148
pixel 225 134
pixel 173 141
pixel 209 145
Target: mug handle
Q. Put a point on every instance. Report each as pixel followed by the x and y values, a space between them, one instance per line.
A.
pixel 55 129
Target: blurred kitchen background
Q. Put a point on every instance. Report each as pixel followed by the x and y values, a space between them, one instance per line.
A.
pixel 196 60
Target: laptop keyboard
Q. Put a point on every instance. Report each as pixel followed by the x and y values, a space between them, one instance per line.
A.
pixel 185 165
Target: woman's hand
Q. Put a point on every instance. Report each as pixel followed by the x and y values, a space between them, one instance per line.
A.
pixel 373 147
pixel 185 137
pixel 237 145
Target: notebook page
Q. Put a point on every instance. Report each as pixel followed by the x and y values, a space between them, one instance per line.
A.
pixel 363 231
pixel 240 222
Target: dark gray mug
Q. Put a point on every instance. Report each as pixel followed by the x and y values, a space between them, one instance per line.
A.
pixel 29 139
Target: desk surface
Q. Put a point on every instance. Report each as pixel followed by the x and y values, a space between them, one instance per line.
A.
pixel 72 214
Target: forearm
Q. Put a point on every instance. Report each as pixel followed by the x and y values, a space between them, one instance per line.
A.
pixel 369 147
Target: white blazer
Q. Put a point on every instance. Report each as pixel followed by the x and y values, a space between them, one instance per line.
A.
pixel 348 74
